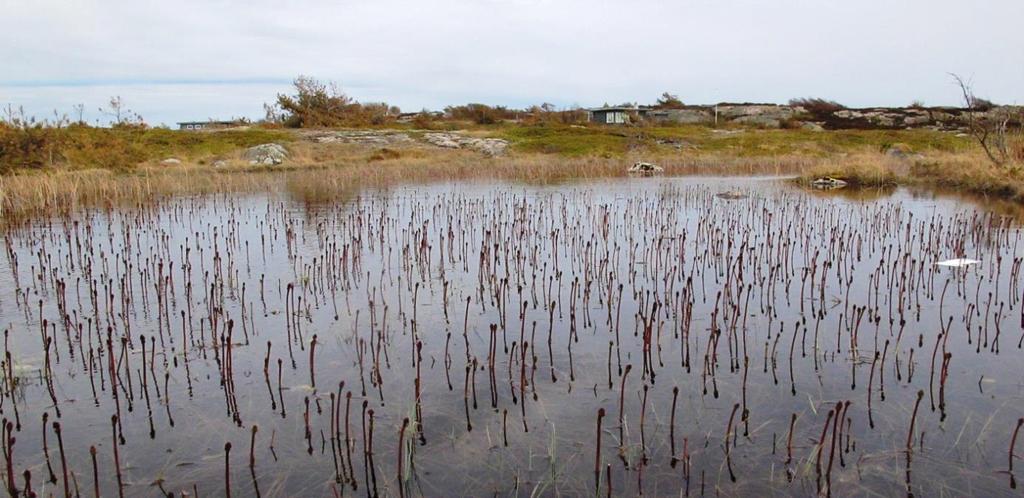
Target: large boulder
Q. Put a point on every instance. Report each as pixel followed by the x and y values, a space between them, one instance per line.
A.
pixel 759 120
pixel 266 155
pixel 445 140
pixel 681 116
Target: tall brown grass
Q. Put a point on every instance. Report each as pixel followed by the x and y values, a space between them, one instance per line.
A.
pixel 317 175
pixel 966 172
pixel 333 172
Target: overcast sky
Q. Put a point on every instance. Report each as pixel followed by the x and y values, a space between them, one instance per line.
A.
pixel 200 59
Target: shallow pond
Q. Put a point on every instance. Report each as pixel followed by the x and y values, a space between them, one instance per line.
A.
pixel 493 339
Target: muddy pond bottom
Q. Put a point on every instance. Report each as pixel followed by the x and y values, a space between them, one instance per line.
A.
pixel 652 336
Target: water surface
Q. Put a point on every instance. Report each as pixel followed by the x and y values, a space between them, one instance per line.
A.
pixel 499 319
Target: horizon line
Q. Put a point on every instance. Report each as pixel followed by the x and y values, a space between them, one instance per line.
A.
pixel 89 82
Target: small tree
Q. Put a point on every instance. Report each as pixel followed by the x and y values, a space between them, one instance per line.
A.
pixel 119 114
pixel 997 129
pixel 669 101
pixel 315 104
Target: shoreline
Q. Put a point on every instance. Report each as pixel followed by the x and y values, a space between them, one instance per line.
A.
pixel 318 170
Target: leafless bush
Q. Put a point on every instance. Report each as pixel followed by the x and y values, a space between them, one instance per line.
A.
pixel 547 113
pixel 998 129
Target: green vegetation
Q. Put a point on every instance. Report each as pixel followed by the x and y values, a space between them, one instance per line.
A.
pixel 323 105
pixel 610 141
pixel 79 146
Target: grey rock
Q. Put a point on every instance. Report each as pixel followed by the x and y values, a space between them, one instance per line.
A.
pixel 776 112
pixel 828 183
pixel 368 137
pixel 170 161
pixel 732 195
pixel 266 155
pixel 681 116
pixel 762 121
pixel 445 140
pixel 645 168
pixel 488 146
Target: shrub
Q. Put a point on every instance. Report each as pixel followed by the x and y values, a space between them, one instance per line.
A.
pixel 479 113
pixel 817 106
pixel 669 101
pixel 322 105
pixel 547 114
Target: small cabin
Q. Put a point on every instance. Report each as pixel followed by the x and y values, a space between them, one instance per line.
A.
pixel 611 115
pixel 208 125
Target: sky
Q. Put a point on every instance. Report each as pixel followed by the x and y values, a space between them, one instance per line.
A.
pixel 200 59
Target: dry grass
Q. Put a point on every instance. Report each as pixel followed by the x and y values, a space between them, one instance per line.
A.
pixel 862 170
pixel 329 172
pixel 967 172
pixel 326 173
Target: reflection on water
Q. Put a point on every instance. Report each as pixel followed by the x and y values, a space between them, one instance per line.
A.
pixel 464 339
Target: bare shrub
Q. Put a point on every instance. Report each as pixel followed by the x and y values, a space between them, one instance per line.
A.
pixel 998 129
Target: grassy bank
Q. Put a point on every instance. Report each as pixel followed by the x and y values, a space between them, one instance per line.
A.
pixel 28 147
pixel 78 167
pixel 968 172
pixel 325 174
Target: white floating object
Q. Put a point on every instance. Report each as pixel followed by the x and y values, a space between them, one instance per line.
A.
pixel 959 262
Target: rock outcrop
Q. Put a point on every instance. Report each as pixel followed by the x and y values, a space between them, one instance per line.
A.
pixel 367 137
pixel 776 116
pixel 488 146
pixel 266 155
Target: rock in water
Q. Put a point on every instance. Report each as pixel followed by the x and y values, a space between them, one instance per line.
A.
pixel 645 168
pixel 828 183
pixel 266 154
pixel 731 195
